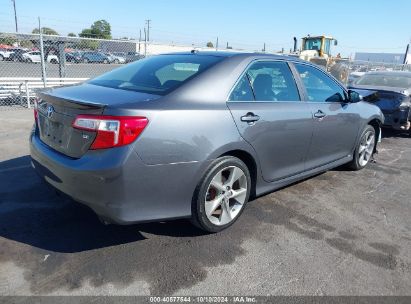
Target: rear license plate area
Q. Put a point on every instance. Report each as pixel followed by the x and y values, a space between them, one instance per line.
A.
pixel 52 131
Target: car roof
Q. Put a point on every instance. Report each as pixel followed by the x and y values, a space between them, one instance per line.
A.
pixel 238 54
pixel 390 73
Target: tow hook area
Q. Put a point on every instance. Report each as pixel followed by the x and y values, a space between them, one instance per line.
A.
pixel 105 221
pixel 406 126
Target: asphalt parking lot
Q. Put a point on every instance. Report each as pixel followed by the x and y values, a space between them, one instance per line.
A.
pixel 73 70
pixel 339 233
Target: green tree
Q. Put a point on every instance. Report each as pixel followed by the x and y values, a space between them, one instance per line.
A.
pixel 8 40
pixel 210 44
pixel 26 44
pixel 45 30
pixel 87 44
pixel 71 35
pixel 100 29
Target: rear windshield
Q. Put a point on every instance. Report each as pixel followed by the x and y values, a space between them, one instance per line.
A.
pixel 157 75
pixel 395 81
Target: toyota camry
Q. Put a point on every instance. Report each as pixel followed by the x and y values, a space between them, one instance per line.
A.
pixel 197 135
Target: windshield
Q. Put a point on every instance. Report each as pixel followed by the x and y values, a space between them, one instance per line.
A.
pixel 385 80
pixel 312 44
pixel 158 74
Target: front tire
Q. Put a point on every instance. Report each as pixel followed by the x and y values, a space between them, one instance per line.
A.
pixel 364 150
pixel 221 195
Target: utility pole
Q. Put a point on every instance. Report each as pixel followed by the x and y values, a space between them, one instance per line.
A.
pixel 406 56
pixel 264 48
pixel 15 15
pixel 216 44
pixel 145 42
pixel 43 65
pixel 139 42
pixel 148 29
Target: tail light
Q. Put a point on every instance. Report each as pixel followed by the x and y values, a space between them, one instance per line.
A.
pixel 112 131
pixel 35 111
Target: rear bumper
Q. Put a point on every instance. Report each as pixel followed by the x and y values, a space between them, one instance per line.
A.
pixel 399 119
pixel 117 185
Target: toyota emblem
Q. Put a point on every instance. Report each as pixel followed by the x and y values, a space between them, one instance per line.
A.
pixel 50 111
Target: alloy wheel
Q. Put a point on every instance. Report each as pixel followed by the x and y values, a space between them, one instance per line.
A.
pixel 366 148
pixel 226 195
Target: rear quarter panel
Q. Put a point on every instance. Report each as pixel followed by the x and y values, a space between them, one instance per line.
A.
pixel 189 135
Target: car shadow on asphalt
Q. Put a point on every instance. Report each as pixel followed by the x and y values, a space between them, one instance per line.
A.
pixel 391 133
pixel 31 212
pixel 56 240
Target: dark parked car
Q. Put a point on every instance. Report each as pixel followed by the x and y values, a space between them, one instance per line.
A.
pixel 133 56
pixel 17 55
pixel 95 57
pixel 392 96
pixel 73 57
pixel 195 135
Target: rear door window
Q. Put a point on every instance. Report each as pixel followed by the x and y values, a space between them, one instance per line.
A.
pixel 273 81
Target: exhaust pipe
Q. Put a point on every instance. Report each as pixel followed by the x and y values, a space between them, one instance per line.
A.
pixel 295 44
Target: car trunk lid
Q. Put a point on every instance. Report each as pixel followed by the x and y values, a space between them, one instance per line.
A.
pixel 57 109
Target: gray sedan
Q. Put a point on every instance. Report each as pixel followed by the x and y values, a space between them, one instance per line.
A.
pixel 196 135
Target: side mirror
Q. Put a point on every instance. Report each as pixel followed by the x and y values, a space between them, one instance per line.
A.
pixel 335 42
pixel 354 96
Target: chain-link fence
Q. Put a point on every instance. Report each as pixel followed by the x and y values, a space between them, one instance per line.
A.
pixel 348 71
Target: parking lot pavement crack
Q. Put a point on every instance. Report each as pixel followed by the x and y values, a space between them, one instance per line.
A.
pixel 384 213
pixel 328 277
pixel 375 188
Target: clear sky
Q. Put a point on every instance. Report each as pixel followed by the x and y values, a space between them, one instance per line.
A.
pixel 361 25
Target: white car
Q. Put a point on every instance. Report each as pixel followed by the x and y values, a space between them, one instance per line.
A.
pixel 5 54
pixel 35 56
pixel 118 57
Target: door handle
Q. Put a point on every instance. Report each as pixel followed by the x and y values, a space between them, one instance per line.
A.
pixel 250 117
pixel 319 114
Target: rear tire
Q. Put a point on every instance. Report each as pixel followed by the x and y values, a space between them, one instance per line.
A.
pixel 1 58
pixel 221 195
pixel 365 149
